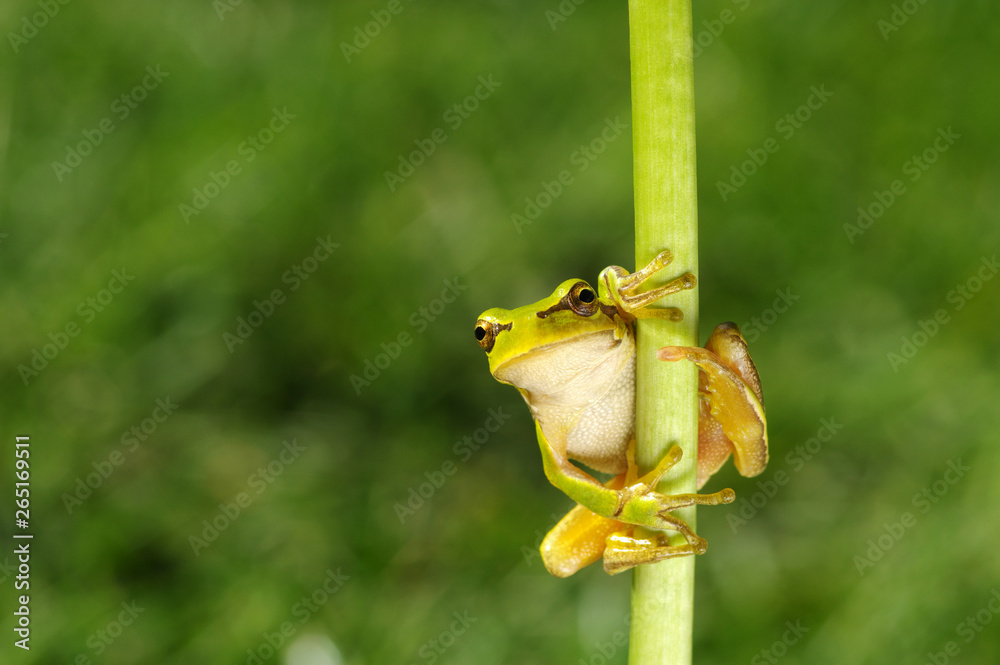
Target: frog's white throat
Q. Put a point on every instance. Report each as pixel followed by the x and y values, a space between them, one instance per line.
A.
pixel 582 394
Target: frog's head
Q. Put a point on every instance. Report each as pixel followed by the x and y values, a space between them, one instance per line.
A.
pixel 573 321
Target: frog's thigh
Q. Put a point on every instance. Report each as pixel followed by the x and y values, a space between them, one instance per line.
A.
pixel 728 344
pixel 732 387
pixel 577 541
pixel 714 447
pixel 624 550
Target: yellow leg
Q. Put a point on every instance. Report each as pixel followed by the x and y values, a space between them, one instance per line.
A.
pixel 582 536
pixel 623 551
pixel 731 386
pixel 578 540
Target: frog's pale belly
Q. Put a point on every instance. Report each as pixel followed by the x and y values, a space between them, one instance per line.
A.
pixel 603 430
pixel 583 396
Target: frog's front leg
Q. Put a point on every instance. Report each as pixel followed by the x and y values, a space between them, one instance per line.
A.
pixel 732 414
pixel 634 503
pixel 621 287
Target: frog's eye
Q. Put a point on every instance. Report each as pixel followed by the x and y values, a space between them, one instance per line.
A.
pixel 485 335
pixel 582 300
pixel 487 331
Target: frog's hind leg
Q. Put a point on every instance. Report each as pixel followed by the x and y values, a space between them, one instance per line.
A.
pixel 582 537
pixel 732 415
pixel 624 550
pixel 577 541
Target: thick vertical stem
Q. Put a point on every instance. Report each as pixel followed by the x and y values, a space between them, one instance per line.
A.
pixel 666 217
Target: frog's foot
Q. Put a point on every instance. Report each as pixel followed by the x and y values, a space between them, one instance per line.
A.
pixel 732 416
pixel 582 537
pixel 623 550
pixel 667 503
pixel 641 505
pixel 622 287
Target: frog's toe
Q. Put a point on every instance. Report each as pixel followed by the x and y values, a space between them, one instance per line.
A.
pixel 625 550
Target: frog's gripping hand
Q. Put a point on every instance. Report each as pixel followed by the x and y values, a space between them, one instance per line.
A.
pixel 622 287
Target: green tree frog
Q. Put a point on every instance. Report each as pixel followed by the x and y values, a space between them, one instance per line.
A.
pixel 572 358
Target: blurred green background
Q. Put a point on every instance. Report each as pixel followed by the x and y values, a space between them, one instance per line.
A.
pixel 308 129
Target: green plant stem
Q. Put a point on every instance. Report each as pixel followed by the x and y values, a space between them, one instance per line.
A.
pixel 666 217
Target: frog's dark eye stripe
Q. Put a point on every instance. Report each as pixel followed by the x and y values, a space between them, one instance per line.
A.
pixel 581 300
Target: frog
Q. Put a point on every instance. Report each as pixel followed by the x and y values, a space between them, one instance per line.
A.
pixel 572 357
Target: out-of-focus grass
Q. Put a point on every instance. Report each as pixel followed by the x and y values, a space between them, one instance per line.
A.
pixel 334 507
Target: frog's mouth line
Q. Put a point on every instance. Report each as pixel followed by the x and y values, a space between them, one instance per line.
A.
pixel 552 345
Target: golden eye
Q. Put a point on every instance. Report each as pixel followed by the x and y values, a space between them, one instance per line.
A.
pixel 487 331
pixel 582 300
